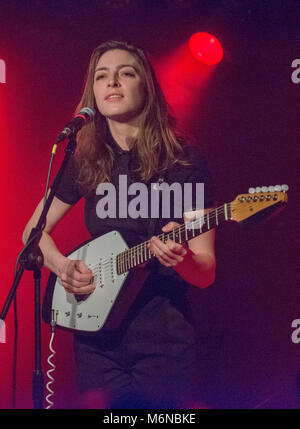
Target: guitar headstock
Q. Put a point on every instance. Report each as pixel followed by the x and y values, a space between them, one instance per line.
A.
pixel 257 200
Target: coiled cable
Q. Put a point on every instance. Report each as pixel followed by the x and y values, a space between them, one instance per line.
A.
pixel 51 364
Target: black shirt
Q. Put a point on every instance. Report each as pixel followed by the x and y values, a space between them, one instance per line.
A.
pixel 167 281
pixel 135 229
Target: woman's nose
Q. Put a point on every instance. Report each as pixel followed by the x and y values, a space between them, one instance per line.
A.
pixel 113 81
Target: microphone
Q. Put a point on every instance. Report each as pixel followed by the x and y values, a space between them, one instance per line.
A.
pixel 83 117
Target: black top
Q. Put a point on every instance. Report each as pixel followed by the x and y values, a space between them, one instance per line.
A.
pixel 135 230
pixel 70 192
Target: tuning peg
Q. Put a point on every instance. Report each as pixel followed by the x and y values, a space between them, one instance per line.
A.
pixel 276 188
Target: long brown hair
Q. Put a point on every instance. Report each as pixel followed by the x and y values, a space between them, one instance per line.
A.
pixel 156 146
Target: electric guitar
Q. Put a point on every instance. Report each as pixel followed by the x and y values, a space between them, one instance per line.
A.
pixel 117 272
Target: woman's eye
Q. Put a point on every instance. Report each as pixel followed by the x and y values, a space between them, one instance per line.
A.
pixel 127 73
pixel 99 76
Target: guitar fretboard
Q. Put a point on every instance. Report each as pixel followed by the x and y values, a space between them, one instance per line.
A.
pixel 140 253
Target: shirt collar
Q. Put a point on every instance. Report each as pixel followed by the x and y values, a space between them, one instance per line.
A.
pixel 117 148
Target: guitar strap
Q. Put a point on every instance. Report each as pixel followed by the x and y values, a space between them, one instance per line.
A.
pixel 153 221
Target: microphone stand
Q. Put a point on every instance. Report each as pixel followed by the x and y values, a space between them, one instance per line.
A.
pixel 31 259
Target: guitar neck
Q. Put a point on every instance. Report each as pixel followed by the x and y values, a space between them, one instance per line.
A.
pixel 140 253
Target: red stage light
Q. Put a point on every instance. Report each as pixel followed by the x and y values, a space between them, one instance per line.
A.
pixel 206 48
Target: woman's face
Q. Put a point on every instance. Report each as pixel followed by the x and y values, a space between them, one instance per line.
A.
pixel 118 87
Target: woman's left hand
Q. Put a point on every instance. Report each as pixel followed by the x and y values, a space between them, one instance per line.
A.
pixel 169 253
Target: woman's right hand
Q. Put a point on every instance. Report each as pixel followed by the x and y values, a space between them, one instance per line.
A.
pixel 76 277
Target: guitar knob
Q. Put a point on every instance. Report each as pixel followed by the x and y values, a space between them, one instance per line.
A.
pixel 271 188
pixel 264 189
pixel 257 189
pixel 251 191
pixel 278 188
pixel 285 188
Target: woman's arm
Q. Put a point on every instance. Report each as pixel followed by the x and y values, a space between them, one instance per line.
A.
pixel 75 275
pixel 195 263
pixel 53 259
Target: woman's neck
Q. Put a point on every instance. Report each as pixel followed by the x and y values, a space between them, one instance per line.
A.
pixel 123 133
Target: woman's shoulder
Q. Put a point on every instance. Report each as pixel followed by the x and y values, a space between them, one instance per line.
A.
pixel 192 153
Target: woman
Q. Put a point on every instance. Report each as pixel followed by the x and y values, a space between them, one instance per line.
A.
pixel 151 356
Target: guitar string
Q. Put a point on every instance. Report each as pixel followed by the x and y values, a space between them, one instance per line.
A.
pixel 132 252
pixel 140 249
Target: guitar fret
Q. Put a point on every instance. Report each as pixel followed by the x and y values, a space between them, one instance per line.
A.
pixel 140 253
pixel 149 252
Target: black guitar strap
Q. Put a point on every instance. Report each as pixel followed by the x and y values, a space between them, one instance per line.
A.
pixel 153 221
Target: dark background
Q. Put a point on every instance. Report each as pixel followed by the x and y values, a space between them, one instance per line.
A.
pixel 245 119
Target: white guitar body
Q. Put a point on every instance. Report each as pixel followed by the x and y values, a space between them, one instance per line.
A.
pixel 90 313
